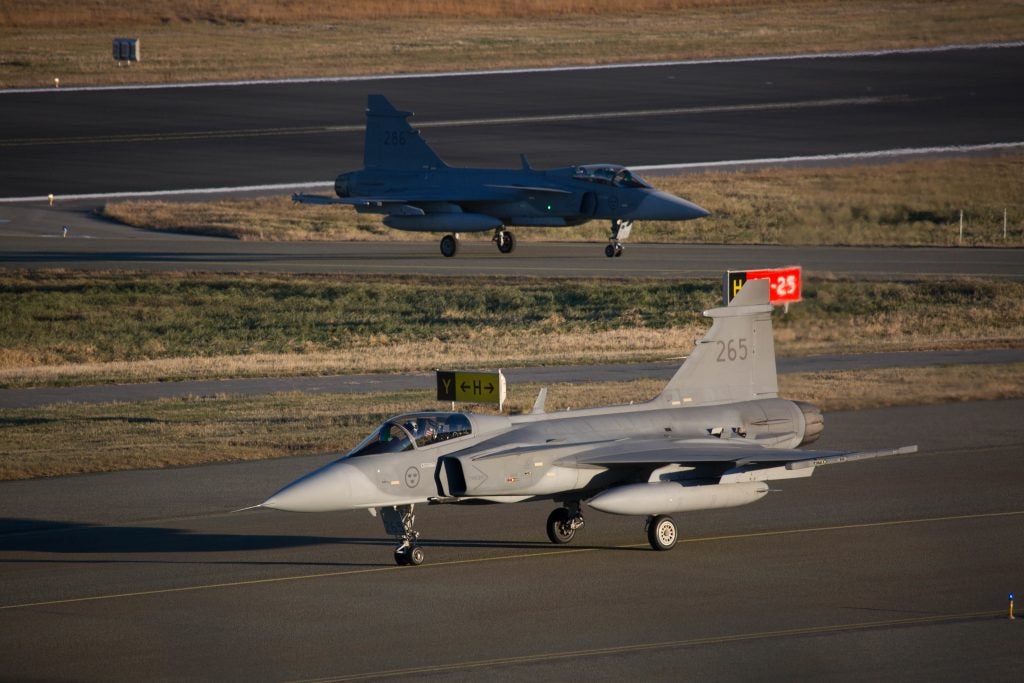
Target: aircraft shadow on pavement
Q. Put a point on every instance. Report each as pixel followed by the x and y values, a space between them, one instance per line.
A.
pixel 45 536
pixel 205 257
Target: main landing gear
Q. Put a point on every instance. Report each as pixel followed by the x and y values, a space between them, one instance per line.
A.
pixel 564 521
pixel 450 245
pixel 399 521
pixel 620 231
pixel 505 240
pixel 661 532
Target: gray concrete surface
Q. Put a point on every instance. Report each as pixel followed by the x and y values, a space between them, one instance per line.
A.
pixel 360 383
pixel 894 569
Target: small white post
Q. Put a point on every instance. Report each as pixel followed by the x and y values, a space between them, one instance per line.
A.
pixel 56 82
pixel 961 226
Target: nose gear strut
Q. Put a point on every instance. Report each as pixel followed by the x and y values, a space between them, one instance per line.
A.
pixel 399 521
pixel 620 231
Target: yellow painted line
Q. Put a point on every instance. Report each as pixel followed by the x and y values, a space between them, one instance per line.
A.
pixel 845 527
pixel 500 558
pixel 663 645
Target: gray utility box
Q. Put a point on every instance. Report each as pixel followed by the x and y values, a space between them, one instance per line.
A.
pixel 126 49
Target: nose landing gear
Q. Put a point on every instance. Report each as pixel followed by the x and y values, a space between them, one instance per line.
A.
pixel 399 521
pixel 620 231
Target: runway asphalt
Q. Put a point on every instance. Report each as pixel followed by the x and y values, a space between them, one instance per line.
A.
pixel 170 139
pixel 895 569
pixel 136 140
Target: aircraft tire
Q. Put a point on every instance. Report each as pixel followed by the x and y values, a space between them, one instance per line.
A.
pixel 415 556
pixel 557 528
pixel 662 533
pixel 402 556
pixel 618 250
pixel 507 243
pixel 449 246
pixel 609 251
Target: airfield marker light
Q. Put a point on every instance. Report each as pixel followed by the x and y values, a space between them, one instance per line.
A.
pixel 50 198
pixel 56 82
pixel 1011 607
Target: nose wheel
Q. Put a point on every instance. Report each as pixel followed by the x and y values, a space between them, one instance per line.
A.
pixel 399 521
pixel 409 555
pixel 620 231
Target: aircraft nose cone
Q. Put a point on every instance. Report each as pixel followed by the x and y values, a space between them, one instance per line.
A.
pixel 662 206
pixel 326 489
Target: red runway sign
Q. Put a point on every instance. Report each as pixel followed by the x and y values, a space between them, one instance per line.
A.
pixel 784 283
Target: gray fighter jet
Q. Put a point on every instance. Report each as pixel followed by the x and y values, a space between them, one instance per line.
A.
pixel 714 438
pixel 404 179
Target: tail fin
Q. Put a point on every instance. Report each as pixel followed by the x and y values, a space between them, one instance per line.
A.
pixel 391 143
pixel 735 361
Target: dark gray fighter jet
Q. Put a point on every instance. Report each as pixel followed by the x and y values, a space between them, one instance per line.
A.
pixel 404 179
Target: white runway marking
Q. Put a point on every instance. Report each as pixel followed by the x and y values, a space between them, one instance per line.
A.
pixel 776 161
pixel 497 72
pixel 850 156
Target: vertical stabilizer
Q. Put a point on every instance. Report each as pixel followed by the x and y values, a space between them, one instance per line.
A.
pixel 391 143
pixel 735 361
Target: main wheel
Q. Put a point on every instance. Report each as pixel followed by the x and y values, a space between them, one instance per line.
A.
pixel 559 529
pixel 609 251
pixel 402 556
pixel 618 250
pixel 416 556
pixel 661 533
pixel 449 246
pixel 507 243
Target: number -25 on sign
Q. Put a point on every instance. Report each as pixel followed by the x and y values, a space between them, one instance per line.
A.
pixel 784 284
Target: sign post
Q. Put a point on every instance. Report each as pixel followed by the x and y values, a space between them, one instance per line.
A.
pixel 471 387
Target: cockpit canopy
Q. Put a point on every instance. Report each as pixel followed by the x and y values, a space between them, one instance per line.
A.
pixel 609 174
pixel 413 430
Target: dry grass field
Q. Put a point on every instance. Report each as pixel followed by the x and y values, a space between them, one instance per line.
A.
pixel 203 40
pixel 79 328
pixel 73 439
pixel 909 203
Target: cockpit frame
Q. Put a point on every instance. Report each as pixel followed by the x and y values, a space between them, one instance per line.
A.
pixel 413 430
pixel 609 174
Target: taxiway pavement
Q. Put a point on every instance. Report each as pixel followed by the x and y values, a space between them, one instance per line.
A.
pixel 894 569
pixel 34 397
pixel 31 237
